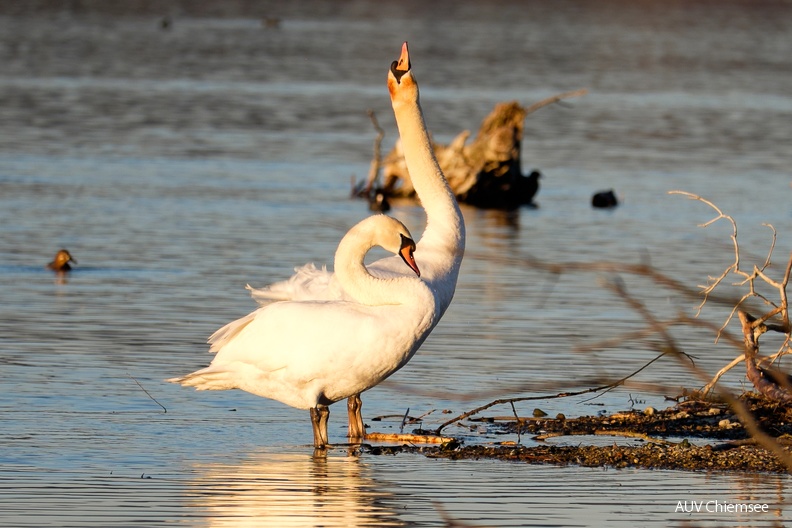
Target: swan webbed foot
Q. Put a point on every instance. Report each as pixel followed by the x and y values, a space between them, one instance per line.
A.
pixel 319 415
pixel 356 428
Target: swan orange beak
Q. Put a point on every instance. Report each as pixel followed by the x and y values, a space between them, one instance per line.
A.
pixel 401 66
pixel 403 63
pixel 406 253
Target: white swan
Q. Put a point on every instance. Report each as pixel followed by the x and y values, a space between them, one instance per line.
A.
pixel 310 354
pixel 442 245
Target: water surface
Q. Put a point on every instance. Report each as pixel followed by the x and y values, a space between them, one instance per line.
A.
pixel 178 166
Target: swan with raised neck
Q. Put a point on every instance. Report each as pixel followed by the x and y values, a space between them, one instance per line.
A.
pixel 442 244
pixel 441 247
pixel 440 250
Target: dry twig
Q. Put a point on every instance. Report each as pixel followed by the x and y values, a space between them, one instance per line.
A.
pixel 512 401
pixel 376 160
pixel 749 280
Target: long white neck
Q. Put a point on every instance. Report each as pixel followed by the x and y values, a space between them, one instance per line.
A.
pixel 356 280
pixel 445 227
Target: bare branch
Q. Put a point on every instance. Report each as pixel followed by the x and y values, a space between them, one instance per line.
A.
pixel 735 267
pixel 555 99
pixel 376 160
pixel 772 246
pixel 711 383
pixel 512 401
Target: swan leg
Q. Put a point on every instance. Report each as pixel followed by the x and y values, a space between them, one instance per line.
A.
pixel 356 427
pixel 319 415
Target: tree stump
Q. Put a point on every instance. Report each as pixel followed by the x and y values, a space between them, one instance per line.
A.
pixel 486 173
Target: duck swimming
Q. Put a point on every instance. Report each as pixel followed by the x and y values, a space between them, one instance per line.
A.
pixel 61 261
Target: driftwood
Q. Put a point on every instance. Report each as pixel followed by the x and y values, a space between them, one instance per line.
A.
pixel 407 437
pixel 770 382
pixel 487 172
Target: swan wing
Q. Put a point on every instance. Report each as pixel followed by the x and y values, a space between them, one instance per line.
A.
pixel 303 352
pixel 310 283
pixel 304 335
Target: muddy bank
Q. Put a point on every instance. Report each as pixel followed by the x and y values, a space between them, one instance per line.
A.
pixel 691 436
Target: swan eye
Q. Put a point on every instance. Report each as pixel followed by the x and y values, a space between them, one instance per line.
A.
pixel 407 242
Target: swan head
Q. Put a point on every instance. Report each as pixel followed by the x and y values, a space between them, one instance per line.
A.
pixel 394 236
pixel 61 261
pixel 400 77
pixel 378 230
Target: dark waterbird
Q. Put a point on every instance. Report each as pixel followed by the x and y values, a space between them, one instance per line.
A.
pixel 61 261
pixel 604 199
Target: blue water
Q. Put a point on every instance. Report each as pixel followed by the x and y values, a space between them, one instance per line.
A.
pixel 178 166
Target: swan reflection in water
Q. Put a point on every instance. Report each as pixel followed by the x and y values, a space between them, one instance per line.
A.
pixel 292 489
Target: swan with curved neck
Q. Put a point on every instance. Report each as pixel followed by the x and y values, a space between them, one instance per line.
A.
pixel 440 250
pixel 310 354
pixel 356 280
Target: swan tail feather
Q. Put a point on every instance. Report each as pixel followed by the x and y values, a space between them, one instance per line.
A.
pixel 206 379
pixel 267 294
pixel 228 332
